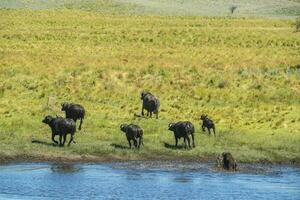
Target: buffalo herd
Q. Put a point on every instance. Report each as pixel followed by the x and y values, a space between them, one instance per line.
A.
pixel 182 129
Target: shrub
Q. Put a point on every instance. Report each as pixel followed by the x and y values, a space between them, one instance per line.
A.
pixel 232 8
pixel 298 24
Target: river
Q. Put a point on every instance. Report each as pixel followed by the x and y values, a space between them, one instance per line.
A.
pixel 146 180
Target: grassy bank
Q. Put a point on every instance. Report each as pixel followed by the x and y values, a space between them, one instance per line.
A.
pixel 244 73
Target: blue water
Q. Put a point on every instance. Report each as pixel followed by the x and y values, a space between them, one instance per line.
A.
pixel 146 180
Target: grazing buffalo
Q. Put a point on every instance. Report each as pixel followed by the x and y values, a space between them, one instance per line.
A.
pixel 207 123
pixel 183 129
pixel 150 103
pixel 74 111
pixel 133 132
pixel 226 161
pixel 61 126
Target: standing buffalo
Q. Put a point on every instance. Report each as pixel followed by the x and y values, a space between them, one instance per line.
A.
pixel 74 111
pixel 61 126
pixel 133 132
pixel 183 129
pixel 150 103
pixel 207 123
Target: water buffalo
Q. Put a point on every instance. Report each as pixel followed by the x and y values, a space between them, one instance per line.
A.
pixel 183 129
pixel 226 161
pixel 61 126
pixel 150 103
pixel 74 111
pixel 133 132
pixel 207 123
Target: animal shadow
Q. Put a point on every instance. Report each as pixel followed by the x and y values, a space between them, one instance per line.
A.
pixel 295 67
pixel 65 168
pixel 135 115
pixel 118 146
pixel 172 146
pixel 43 143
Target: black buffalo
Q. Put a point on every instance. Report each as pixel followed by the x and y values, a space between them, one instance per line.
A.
pixel 183 129
pixel 74 111
pixel 226 161
pixel 61 126
pixel 133 132
pixel 207 123
pixel 150 103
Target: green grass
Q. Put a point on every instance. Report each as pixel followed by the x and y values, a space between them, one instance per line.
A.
pixel 243 73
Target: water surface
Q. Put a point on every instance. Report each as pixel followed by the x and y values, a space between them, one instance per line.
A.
pixel 146 180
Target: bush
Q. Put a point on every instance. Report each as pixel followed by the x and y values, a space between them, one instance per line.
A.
pixel 298 24
pixel 232 9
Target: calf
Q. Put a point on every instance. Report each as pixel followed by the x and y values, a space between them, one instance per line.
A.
pixel 207 123
pixel 61 126
pixel 74 111
pixel 133 132
pixel 151 103
pixel 183 129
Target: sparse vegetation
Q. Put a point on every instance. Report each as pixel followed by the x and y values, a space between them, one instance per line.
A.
pixel 240 72
pixel 297 24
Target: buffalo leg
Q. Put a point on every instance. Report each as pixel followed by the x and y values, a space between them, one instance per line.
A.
pixel 138 143
pixel 188 140
pixel 129 143
pixel 150 114
pixel 176 141
pixel 193 140
pixel 185 142
pixel 135 143
pixel 141 141
pixel 142 111
pixel 60 140
pixel 156 112
pixel 64 139
pixel 214 130
pixel 71 140
pixel 81 121
pixel 203 128
pixel 53 135
pixel 209 131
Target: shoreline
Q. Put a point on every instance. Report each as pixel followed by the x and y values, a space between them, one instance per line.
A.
pixel 89 159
